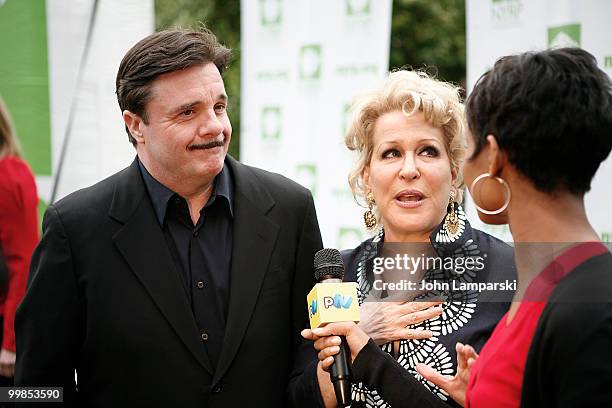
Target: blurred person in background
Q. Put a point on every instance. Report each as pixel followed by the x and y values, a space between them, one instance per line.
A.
pixel 409 136
pixel 18 235
pixel 540 126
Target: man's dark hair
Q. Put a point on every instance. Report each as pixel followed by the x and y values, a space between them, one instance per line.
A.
pixel 550 111
pixel 160 53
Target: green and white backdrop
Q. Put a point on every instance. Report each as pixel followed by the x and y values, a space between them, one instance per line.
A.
pixel 303 62
pixel 42 78
pixel 501 27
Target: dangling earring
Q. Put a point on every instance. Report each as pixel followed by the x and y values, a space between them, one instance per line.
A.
pixel 451 222
pixel 368 217
pixel 507 193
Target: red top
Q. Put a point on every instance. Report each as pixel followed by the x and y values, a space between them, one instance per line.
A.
pixel 496 378
pixel 18 236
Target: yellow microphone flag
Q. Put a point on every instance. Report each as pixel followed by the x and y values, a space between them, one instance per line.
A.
pixel 333 302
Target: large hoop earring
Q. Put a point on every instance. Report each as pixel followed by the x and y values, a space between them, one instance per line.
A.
pixel 369 218
pixel 500 181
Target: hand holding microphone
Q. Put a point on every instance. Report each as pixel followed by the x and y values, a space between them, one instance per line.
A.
pixel 327 341
pixel 332 300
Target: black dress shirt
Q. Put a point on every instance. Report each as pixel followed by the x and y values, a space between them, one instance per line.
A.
pixel 202 252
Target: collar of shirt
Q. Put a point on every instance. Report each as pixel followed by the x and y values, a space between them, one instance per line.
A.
pixel 160 195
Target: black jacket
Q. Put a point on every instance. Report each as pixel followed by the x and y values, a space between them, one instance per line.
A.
pixel 104 298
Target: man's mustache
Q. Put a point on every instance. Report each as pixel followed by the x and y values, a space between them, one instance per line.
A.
pixel 209 145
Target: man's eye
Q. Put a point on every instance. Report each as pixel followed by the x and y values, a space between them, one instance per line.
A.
pixel 188 112
pixel 391 153
pixel 220 108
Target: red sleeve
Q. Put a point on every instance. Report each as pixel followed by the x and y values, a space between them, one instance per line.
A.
pixel 18 236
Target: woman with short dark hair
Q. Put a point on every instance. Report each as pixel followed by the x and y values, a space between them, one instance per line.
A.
pixel 541 125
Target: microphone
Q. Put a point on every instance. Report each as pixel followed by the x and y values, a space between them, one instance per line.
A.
pixel 332 300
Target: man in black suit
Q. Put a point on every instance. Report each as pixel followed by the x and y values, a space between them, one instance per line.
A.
pixel 181 280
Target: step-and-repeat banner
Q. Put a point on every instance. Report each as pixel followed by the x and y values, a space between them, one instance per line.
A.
pixel 500 27
pixel 303 62
pixel 42 44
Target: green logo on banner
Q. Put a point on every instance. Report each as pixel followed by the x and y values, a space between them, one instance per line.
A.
pixel 306 175
pixel 348 237
pixel 506 11
pixel 310 61
pixel 357 7
pixel 606 237
pixel 271 123
pixel 271 12
pixel 24 78
pixel 608 62
pixel 564 36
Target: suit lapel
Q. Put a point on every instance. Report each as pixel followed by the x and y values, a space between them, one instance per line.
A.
pixel 142 244
pixel 254 238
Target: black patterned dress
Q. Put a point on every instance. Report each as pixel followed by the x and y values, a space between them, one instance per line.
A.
pixel 469 316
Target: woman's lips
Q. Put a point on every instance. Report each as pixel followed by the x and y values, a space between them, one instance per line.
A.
pixel 409 199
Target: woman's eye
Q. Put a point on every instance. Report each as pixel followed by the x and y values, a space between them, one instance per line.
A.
pixel 387 154
pixel 430 151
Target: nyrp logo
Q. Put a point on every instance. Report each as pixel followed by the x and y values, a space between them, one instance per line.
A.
pixel 310 61
pixel 271 12
pixel 358 7
pixel 271 123
pixel 564 36
pixel 306 175
pixel 338 301
pixel 506 11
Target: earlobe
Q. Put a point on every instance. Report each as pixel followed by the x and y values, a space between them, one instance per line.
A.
pixel 133 123
pixel 495 159
pixel 365 175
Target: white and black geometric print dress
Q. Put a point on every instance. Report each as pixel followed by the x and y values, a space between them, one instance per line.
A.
pixel 466 318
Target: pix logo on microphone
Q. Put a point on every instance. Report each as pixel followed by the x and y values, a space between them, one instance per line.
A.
pixel 332 302
pixel 338 301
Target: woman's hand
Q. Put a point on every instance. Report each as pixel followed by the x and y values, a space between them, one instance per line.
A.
pixel 456 385
pixel 7 363
pixel 387 321
pixel 327 342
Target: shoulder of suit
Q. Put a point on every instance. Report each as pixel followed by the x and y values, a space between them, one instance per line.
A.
pixel 93 198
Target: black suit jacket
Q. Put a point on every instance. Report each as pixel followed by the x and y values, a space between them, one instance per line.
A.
pixel 104 298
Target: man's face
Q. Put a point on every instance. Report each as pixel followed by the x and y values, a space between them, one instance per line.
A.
pixel 189 132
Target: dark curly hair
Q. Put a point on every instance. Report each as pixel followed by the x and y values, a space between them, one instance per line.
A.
pixel 160 53
pixel 550 111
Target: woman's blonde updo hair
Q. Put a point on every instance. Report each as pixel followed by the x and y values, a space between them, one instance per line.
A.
pixel 408 92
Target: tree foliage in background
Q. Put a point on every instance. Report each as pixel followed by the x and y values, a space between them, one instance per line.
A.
pixel 223 18
pixel 424 34
pixel 431 35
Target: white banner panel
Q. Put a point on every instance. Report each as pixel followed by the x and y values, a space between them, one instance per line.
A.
pixel 500 27
pixel 98 144
pixel 303 62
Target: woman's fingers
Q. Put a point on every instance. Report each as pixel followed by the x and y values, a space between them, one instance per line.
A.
pixel 328 352
pixel 420 316
pixel 406 334
pixel 325 342
pixel 412 307
pixel 433 376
